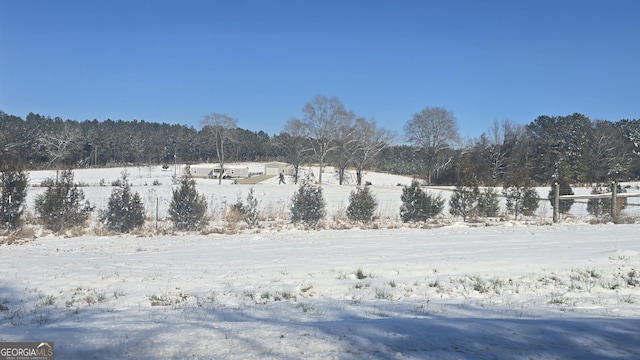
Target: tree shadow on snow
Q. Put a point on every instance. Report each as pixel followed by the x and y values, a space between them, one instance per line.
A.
pixel 337 330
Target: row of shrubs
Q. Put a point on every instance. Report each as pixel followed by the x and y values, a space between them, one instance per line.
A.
pixel 62 206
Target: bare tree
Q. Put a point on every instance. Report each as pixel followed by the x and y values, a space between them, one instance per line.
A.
pixel 370 141
pixel 59 145
pixel 346 147
pixel 433 130
pixel 293 140
pixel 500 133
pixel 607 161
pixel 221 127
pixel 323 117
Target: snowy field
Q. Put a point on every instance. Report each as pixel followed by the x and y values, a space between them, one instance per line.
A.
pixel 495 290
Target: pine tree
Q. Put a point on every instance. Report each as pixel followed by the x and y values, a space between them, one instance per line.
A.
pixel 307 204
pixel 61 206
pixel 187 209
pixel 488 203
pixel 417 205
pixel 249 212
pixel 464 201
pixel 125 210
pixel 13 200
pixel 521 200
pixel 362 205
pixel 563 205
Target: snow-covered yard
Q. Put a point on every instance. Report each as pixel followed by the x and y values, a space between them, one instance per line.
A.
pixel 520 290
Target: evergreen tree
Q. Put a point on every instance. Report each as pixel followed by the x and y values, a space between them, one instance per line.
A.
pixel 362 205
pixel 61 206
pixel 249 212
pixel 125 209
pixel 488 203
pixel 14 196
pixel 418 205
pixel 563 205
pixel 188 208
pixel 521 200
pixel 464 201
pixel 307 204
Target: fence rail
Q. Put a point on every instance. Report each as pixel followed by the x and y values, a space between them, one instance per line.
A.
pixel 612 195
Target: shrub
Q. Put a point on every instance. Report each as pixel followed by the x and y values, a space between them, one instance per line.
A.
pixel 307 204
pixel 249 212
pixel 187 209
pixel 61 205
pixel 125 210
pixel 362 205
pixel 464 201
pixel 488 203
pixel 13 199
pixel 417 205
pixel 521 200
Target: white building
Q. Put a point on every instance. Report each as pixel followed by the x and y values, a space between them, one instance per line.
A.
pixel 212 171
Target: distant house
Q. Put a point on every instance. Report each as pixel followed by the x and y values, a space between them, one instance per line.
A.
pixel 275 168
pixel 212 171
pixel 234 172
pixel 202 171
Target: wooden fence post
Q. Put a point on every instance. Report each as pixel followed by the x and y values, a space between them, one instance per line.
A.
pixel 556 202
pixel 614 200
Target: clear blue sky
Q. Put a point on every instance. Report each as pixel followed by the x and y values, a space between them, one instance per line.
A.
pixel 261 61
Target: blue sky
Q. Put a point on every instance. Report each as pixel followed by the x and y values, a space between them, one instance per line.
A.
pixel 261 61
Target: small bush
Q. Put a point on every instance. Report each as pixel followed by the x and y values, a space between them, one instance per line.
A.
pixel 362 205
pixel 360 274
pixel 307 204
pixel 61 206
pixel 125 210
pixel 417 205
pixel 249 212
pixel 188 208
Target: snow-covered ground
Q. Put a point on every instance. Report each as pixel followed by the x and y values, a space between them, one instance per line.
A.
pixel 518 290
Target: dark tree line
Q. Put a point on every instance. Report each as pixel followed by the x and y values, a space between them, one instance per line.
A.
pixel 571 148
pixel 44 142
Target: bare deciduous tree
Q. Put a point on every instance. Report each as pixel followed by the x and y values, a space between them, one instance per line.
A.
pixel 221 128
pixel 433 130
pixel 346 147
pixel 293 140
pixel 323 117
pixel 371 140
pixel 59 145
